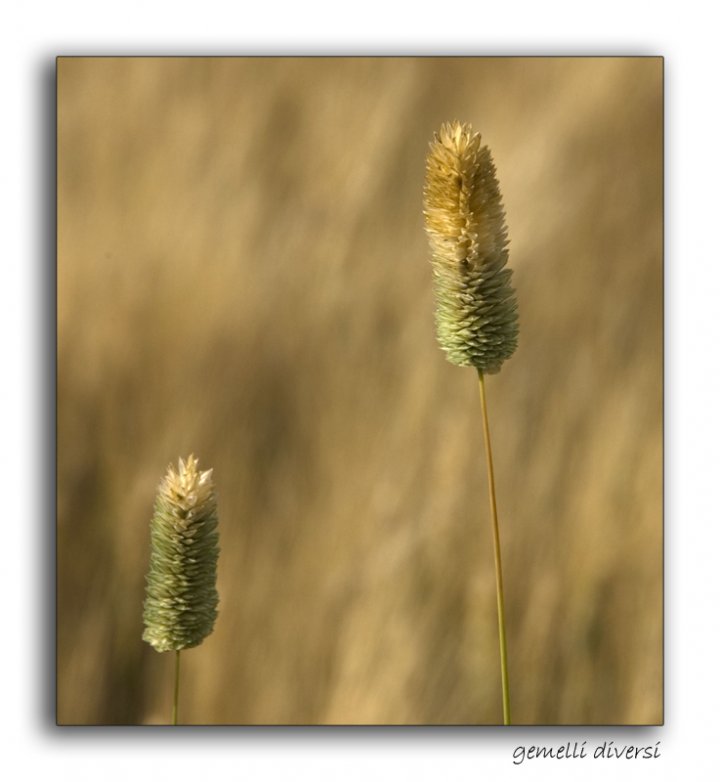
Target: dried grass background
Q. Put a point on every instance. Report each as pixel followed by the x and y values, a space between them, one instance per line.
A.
pixel 243 274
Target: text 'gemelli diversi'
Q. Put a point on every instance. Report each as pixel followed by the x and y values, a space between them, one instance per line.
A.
pixel 577 750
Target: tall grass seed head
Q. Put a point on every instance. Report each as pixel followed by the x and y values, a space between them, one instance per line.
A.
pixel 476 309
pixel 181 596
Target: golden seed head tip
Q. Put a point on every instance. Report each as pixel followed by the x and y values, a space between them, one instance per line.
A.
pixel 188 485
pixel 456 135
pixel 465 222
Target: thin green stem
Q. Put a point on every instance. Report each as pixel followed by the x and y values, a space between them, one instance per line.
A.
pixel 177 687
pixel 498 559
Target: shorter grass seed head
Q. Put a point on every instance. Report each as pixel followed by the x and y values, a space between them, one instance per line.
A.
pixel 181 596
pixel 476 313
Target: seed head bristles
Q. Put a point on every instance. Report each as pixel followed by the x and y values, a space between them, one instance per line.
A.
pixel 476 313
pixel 181 596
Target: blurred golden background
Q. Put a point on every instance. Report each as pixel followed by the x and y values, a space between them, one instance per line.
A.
pixel 243 274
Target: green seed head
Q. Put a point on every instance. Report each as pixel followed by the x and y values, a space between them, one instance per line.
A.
pixel 181 599
pixel 476 313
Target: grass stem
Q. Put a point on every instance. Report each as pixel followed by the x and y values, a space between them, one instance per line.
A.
pixel 498 559
pixel 177 687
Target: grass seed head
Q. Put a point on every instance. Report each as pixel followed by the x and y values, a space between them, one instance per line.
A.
pixel 181 596
pixel 476 314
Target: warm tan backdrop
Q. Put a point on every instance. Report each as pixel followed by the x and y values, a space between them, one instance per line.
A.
pixel 243 274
